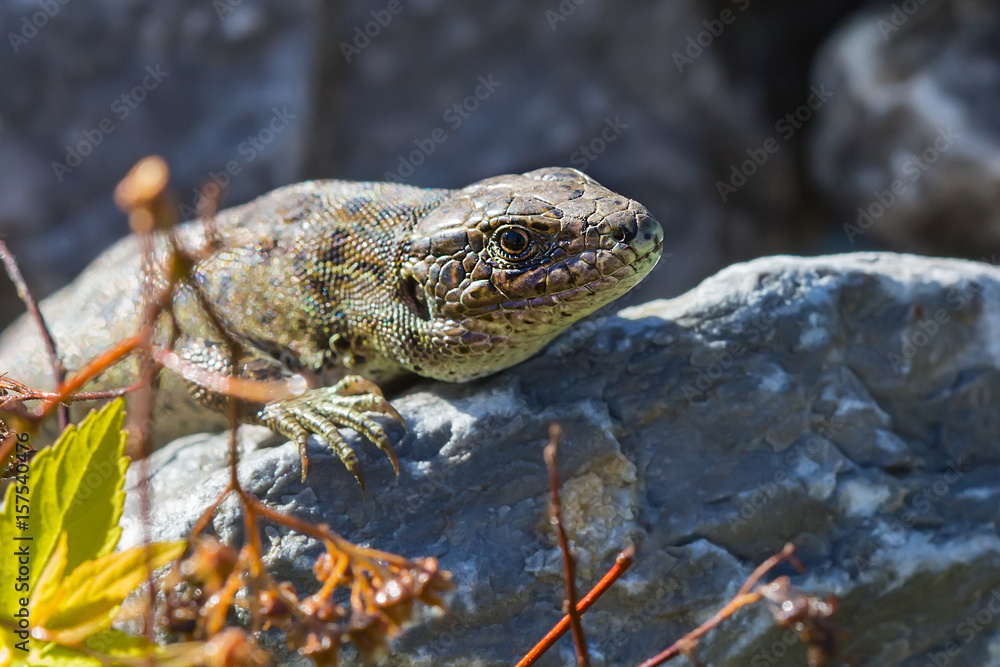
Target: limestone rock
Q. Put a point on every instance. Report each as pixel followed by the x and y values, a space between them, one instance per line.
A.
pixel 850 404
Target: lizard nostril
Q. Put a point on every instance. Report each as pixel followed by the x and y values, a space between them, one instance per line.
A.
pixel 624 231
pixel 414 298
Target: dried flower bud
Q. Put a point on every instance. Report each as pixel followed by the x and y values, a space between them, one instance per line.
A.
pixel 210 564
pixel 322 609
pixel 271 605
pixel 143 195
pixel 809 617
pixel 323 648
pixel 369 633
pixel 181 617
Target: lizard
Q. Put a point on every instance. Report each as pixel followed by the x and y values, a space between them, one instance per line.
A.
pixel 354 285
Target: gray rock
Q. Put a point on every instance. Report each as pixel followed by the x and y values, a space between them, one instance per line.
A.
pixel 850 404
pixel 908 149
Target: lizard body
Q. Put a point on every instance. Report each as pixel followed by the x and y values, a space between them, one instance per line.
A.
pixel 337 280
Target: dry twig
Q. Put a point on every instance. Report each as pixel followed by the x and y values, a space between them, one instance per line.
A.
pixel 623 562
pixel 58 371
pixel 810 618
pixel 569 562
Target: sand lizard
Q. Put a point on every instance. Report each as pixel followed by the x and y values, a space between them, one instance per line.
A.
pixel 346 282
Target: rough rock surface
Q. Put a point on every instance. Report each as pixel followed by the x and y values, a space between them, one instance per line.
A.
pixel 850 404
pixel 908 149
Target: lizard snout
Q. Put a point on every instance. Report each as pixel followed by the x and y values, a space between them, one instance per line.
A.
pixel 641 232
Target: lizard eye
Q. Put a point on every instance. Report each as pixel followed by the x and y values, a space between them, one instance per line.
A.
pixel 514 242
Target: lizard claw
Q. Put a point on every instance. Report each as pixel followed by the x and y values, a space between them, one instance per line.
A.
pixel 370 396
pixel 322 411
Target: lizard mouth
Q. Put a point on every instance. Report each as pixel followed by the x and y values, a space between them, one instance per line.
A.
pixel 607 288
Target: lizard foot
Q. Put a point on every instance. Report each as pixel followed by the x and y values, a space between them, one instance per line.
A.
pixel 322 411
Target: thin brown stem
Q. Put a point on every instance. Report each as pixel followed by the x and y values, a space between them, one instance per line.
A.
pixel 103 395
pixel 787 553
pixel 622 563
pixel 743 598
pixel 690 640
pixel 37 395
pixel 207 515
pixel 58 371
pixel 569 563
pixel 252 391
pixel 95 367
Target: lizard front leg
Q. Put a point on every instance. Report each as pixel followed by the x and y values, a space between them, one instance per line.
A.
pixel 321 411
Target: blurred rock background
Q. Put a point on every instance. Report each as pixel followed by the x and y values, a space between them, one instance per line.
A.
pixel 749 127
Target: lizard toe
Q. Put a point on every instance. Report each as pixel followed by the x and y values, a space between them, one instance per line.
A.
pixel 286 424
pixel 376 404
pixel 375 434
pixel 327 429
pixel 350 415
pixel 322 411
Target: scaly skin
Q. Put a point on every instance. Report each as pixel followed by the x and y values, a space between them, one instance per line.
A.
pixel 353 283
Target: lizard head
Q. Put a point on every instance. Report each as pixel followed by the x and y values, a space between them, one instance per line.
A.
pixel 501 267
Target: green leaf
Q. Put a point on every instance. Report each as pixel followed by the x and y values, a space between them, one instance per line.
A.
pixel 87 600
pixel 110 643
pixel 74 499
pixel 48 583
pixel 75 487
